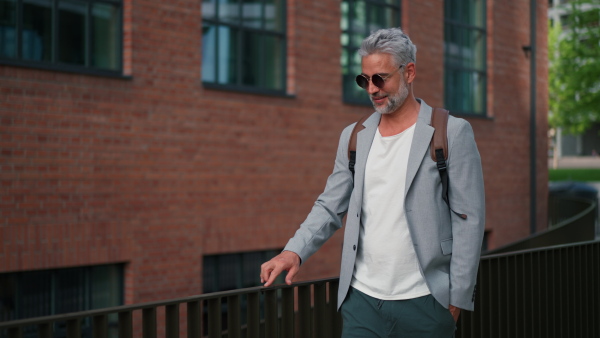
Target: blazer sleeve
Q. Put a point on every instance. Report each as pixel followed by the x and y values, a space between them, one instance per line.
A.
pixel 329 208
pixel 466 195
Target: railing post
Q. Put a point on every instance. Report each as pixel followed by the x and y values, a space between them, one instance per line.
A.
pixel 172 320
pixel 214 318
pixel 271 314
pixel 287 312
pixel 320 316
pixel 233 317
pixel 193 319
pixel 253 328
pixel 15 332
pixel 335 315
pixel 149 322
pixel 304 311
pixel 45 330
pixel 125 325
pixel 100 326
pixel 74 328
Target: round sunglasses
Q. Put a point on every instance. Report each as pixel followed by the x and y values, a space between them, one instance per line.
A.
pixel 379 81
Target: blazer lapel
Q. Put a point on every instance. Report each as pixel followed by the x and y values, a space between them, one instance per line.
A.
pixel 363 146
pixel 420 143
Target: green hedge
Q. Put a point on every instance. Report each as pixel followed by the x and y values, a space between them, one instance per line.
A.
pixel 583 175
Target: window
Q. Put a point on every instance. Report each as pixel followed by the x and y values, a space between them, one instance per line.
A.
pixel 71 35
pixel 359 19
pixel 49 292
pixel 234 271
pixel 465 56
pixel 244 45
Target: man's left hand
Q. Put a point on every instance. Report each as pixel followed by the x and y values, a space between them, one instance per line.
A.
pixel 455 312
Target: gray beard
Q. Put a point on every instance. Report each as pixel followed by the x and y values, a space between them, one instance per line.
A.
pixel 394 101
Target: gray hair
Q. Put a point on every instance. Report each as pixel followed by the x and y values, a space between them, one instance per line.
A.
pixel 391 41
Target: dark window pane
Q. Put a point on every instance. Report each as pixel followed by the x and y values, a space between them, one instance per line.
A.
pixel 229 277
pixel 344 25
pixel 209 55
pixel 209 9
pixel 8 29
pixel 8 297
pixel 252 13
pixel 71 32
pixel 228 54
pixel 465 56
pixel 274 16
pixel 274 50
pixel 35 297
pixel 238 47
pixel 105 36
pixel 37 30
pixel 209 274
pixel 105 282
pixel 229 11
pixel 70 291
pixel 251 49
pixel 251 263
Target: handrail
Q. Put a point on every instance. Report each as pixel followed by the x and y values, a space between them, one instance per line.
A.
pixel 540 292
pixel 576 228
pixel 147 305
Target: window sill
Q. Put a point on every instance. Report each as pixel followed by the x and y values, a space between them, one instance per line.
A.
pixel 248 90
pixel 65 68
pixel 471 115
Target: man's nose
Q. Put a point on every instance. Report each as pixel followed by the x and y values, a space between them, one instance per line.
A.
pixel 372 88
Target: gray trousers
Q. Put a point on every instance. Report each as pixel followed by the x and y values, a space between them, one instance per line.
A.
pixel 423 317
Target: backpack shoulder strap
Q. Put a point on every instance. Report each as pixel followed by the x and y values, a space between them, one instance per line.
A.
pixel 439 121
pixel 352 142
pixel 439 151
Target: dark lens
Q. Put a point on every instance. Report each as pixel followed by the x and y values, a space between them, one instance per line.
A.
pixel 362 82
pixel 378 81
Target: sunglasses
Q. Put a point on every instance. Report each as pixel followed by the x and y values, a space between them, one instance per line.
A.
pixel 379 81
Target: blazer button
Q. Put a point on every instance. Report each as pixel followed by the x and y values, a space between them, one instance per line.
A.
pixel 354 247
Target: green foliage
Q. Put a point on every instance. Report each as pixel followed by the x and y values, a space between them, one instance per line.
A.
pixel 574 70
pixel 581 175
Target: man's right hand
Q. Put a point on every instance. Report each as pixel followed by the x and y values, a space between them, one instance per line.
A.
pixel 287 260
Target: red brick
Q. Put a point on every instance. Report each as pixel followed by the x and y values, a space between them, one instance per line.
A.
pixel 156 170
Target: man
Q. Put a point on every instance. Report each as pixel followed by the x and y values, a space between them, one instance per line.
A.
pixel 409 263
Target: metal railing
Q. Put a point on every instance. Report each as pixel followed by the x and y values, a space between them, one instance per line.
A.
pixel 546 292
pixel 572 219
pixel 306 309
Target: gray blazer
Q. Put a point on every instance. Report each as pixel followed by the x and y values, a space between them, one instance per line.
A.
pixel 448 247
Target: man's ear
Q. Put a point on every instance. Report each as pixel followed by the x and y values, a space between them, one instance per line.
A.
pixel 411 72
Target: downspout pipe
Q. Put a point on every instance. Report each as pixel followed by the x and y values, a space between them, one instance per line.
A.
pixel 532 125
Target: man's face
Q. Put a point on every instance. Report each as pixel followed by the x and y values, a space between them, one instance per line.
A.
pixel 392 95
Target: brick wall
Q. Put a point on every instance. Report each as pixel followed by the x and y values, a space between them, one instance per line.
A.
pixel 154 170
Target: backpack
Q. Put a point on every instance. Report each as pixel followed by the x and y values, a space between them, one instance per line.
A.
pixel 438 146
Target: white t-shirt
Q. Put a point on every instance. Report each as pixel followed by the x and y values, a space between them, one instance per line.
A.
pixel 386 264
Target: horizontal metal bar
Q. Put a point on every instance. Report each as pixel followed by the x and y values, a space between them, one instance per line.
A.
pixel 149 305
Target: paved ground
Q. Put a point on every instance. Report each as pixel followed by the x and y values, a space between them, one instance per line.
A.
pixel 576 162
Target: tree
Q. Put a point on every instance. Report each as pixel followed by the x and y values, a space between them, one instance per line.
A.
pixel 574 69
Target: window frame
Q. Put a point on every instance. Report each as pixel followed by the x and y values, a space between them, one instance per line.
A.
pixel 84 274
pixel 217 23
pixel 449 67
pixel 351 49
pixel 54 64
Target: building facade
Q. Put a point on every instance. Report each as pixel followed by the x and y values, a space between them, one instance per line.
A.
pixel 160 149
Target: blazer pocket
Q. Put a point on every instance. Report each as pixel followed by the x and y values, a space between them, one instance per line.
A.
pixel 447 246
